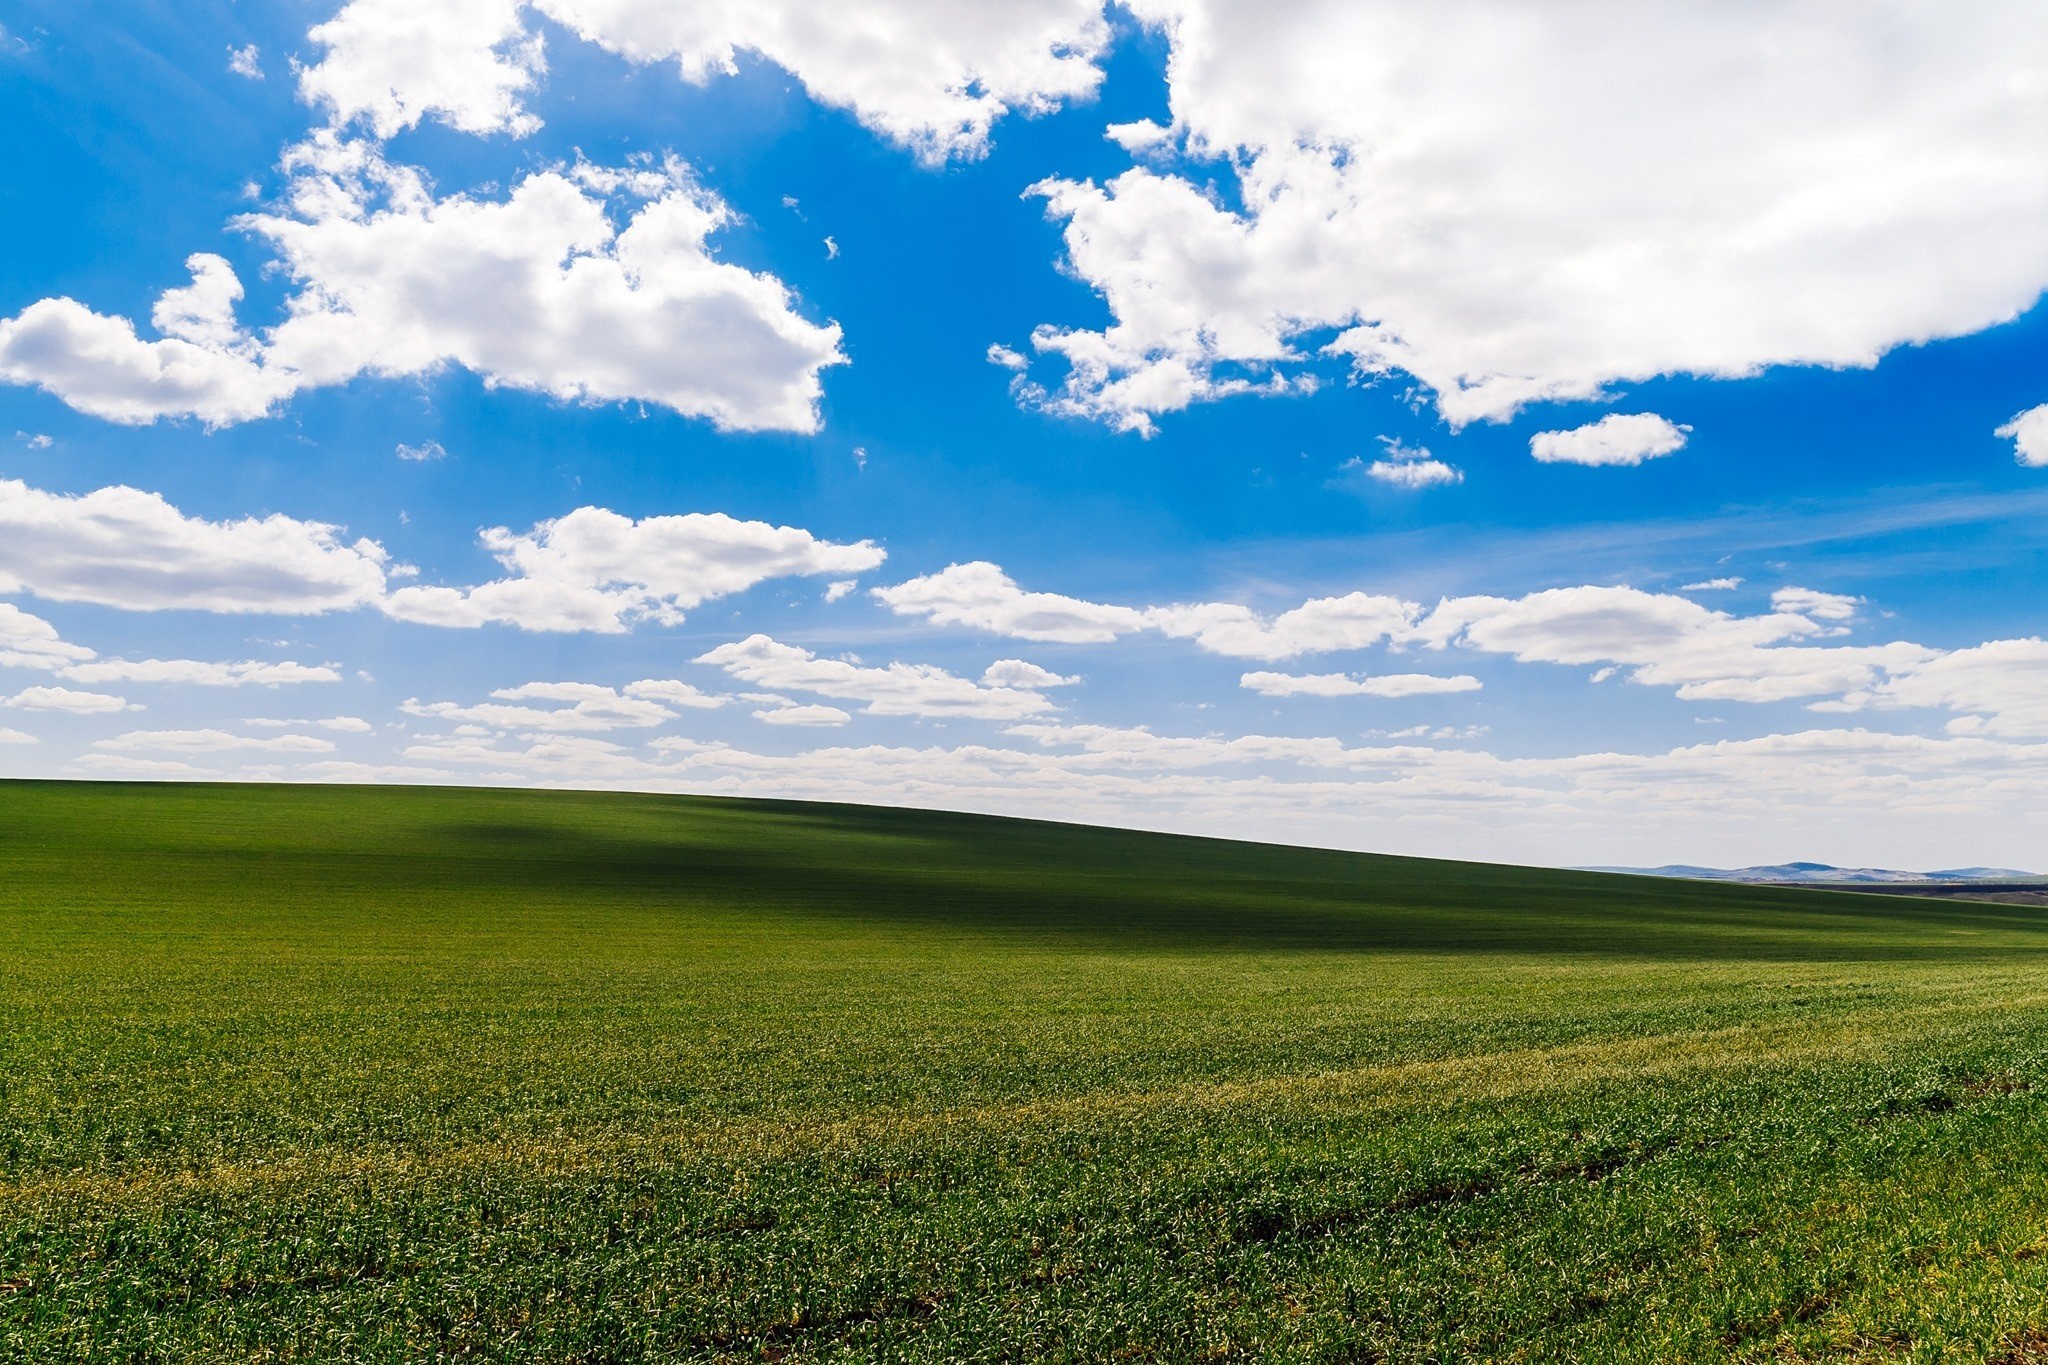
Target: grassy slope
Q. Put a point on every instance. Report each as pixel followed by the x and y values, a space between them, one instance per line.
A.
pixel 388 1074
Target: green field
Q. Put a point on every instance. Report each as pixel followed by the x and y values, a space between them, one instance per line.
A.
pixel 293 1073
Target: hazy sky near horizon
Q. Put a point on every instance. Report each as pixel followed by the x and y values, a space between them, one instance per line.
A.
pixel 1594 432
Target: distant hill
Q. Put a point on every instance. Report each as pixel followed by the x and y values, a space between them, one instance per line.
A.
pixel 1826 874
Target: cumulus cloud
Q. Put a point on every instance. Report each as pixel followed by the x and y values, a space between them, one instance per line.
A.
pixel 1712 585
pixel 1018 673
pixel 246 61
pixel 1513 203
pixel 929 75
pixel 1616 439
pixel 578 707
pixel 1671 641
pixel 344 725
pixel 68 700
pixel 899 689
pixel 249 672
pixel 2001 686
pixel 1821 606
pixel 31 642
pixel 543 289
pixel 8 736
pixel 595 570
pixel 982 596
pixel 422 453
pixel 203 366
pixel 392 63
pixel 1350 685
pixel 1411 473
pixel 210 741
pixel 120 547
pixel 814 714
pixel 2028 433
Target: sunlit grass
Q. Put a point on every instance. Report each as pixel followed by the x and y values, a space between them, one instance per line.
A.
pixel 297 1073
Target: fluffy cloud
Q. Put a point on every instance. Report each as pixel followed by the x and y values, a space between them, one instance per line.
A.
pixel 1513 203
pixel 249 672
pixel 68 700
pixel 120 547
pixel 344 725
pixel 594 570
pixel 982 596
pixel 1616 439
pixel 896 690
pixel 814 714
pixel 203 366
pixel 583 707
pixel 2028 433
pixel 931 75
pixel 392 63
pixel 1419 473
pixel 1018 673
pixel 8 736
pixel 1672 641
pixel 31 642
pixel 1348 685
pixel 2001 686
pixel 541 290
pixel 209 742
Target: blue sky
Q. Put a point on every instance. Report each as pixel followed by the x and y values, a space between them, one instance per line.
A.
pixel 1600 435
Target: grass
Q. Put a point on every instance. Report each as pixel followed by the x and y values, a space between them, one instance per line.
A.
pixel 400 1074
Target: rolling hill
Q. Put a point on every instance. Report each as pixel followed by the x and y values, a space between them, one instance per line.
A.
pixel 406 1073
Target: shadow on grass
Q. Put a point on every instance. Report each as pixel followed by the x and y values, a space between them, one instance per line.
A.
pixel 1030 880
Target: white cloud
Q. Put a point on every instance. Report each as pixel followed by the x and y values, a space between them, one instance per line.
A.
pixel 540 290
pixel 1616 439
pixel 583 707
pixel 2028 433
pixel 342 725
pixel 803 715
pixel 120 547
pixel 1821 606
pixel 1423 473
pixel 674 693
pixel 1018 673
pixel 842 588
pixel 594 570
pixel 896 690
pixel 930 75
pixel 31 642
pixel 423 452
pixel 981 595
pixel 1672 641
pixel 1513 203
pixel 8 736
pixel 210 741
pixel 1008 359
pixel 68 700
pixel 249 672
pixel 2001 685
pixel 204 366
pixel 392 63
pixel 1712 585
pixel 1349 685
pixel 246 61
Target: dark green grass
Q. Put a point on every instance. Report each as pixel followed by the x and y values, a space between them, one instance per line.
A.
pixel 395 1074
